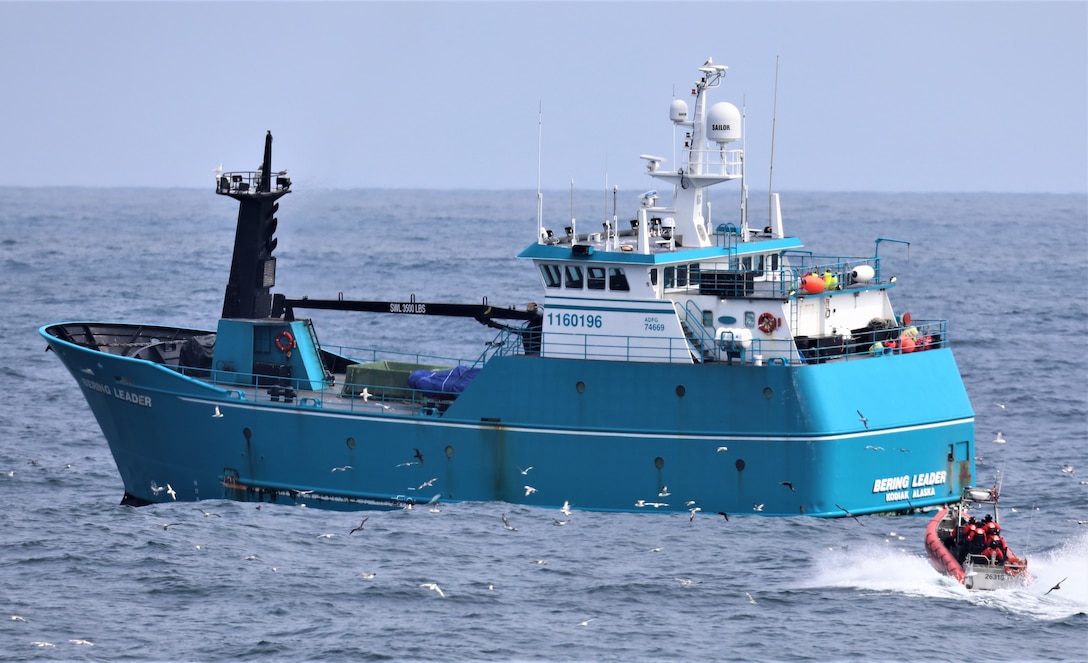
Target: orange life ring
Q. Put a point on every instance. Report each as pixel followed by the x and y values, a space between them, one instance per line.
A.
pixel 285 342
pixel 767 322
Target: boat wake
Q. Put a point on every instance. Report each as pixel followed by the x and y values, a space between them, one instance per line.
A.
pixel 874 568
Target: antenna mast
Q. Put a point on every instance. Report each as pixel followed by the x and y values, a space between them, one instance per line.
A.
pixel 770 174
pixel 539 195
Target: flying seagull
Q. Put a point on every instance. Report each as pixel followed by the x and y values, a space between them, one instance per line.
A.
pixel 206 513
pixel 757 507
pixel 724 515
pixel 171 492
pixel 506 524
pixel 1058 585
pixel 863 420
pixel 1000 439
pixel 566 508
pixel 529 490
pixel 342 468
pixel 360 527
pixel 435 587
pixel 218 414
pixel 849 514
pixel 788 484
pixel 526 470
pixel 419 455
pixel 750 599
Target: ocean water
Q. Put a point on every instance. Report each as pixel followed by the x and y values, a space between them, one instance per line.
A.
pixel 169 582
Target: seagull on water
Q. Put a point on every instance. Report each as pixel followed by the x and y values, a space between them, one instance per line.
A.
pixel 206 513
pixel 1068 469
pixel 556 521
pixel 17 618
pixel 360 527
pixel 167 526
pixel 1000 439
pixel 862 419
pixel 324 536
pixel 435 587
pixel 171 492
pixel 367 576
pixel 80 641
pixel 586 622
pixel 506 524
pixel 529 490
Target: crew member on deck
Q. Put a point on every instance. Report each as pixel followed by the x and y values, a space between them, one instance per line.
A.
pixel 995 553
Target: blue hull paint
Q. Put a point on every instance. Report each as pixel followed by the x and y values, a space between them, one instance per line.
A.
pixel 620 440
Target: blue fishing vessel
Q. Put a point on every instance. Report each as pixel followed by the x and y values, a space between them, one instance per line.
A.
pixel 673 363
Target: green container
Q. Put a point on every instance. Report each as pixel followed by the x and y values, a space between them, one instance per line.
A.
pixel 383 379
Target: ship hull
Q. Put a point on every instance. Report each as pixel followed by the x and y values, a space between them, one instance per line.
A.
pixel 852 437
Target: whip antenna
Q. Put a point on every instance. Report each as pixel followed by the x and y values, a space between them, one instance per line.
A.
pixel 539 195
pixel 774 121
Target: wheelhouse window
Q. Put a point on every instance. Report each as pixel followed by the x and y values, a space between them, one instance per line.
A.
pixel 573 277
pixel 617 280
pixel 551 274
pixel 595 279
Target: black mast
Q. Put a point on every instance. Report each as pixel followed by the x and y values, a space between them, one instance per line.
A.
pixel 253 269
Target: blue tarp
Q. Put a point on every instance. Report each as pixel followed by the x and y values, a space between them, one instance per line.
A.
pixel 451 381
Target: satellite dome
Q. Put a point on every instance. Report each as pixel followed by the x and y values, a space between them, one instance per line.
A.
pixel 678 111
pixel 723 123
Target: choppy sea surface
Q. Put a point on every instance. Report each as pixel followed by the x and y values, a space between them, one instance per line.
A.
pixel 82 578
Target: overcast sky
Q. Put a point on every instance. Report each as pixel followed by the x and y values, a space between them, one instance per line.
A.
pixel 872 96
